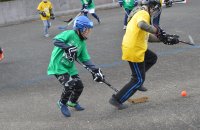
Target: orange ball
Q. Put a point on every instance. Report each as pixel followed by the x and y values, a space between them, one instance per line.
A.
pixel 183 93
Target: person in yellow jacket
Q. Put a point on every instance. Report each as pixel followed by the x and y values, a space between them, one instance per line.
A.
pixel 135 49
pixel 45 9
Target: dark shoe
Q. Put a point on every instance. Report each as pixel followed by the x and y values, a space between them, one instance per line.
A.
pixel 76 106
pixel 142 88
pixel 64 109
pixel 118 105
pixel 99 21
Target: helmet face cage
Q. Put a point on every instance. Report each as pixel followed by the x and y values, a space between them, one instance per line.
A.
pixel 151 3
pixel 154 6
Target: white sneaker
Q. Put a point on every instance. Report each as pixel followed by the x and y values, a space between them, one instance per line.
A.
pixel 124 28
pixel 46 35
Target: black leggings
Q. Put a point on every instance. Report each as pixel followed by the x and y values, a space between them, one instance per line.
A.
pixel 138 76
pixel 73 87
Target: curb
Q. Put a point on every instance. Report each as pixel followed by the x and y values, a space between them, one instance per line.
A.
pixel 36 17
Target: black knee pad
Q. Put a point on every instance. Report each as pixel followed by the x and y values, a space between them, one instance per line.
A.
pixel 79 85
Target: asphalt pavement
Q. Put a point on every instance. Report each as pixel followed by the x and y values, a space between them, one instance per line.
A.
pixel 28 96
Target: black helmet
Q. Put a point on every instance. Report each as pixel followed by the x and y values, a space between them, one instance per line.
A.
pixel 151 3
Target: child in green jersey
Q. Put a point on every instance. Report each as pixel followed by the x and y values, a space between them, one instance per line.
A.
pixel 128 5
pixel 70 46
pixel 89 6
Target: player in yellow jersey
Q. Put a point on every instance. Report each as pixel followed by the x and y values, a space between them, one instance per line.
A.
pixel 45 9
pixel 135 49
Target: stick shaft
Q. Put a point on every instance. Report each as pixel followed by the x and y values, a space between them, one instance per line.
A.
pixel 65 27
pixel 105 82
pixel 174 1
pixel 74 18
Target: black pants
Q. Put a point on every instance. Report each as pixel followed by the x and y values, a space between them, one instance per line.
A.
pixel 73 87
pixel 138 76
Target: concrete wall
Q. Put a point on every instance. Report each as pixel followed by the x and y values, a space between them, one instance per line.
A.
pixel 22 10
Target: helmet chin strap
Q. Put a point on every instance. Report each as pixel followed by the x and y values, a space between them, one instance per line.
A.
pixel 80 35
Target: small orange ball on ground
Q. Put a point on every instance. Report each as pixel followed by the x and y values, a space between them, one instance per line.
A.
pixel 183 93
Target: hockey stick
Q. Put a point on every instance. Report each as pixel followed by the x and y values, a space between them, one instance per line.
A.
pixel 125 12
pixel 188 43
pixel 69 22
pixel 191 43
pixel 104 81
pixel 135 100
pixel 179 1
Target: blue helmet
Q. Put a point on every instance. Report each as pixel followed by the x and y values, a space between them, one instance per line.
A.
pixel 82 23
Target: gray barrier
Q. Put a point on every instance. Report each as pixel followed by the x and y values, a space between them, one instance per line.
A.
pixel 13 12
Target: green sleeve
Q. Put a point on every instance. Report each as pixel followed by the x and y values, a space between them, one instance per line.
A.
pixel 84 55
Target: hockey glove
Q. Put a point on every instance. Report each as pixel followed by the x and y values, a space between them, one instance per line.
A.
pixel 71 53
pixel 120 3
pixel 135 3
pixel 98 75
pixel 52 16
pixel 84 10
pixel 43 13
pixel 172 39
pixel 161 34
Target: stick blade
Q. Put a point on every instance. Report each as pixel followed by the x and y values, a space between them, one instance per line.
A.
pixel 69 20
pixel 138 100
pixel 62 28
pixel 188 43
pixel 180 1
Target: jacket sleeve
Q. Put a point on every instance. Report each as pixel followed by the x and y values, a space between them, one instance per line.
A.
pixel 60 44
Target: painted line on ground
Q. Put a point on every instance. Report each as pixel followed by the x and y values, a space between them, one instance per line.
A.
pixel 45 77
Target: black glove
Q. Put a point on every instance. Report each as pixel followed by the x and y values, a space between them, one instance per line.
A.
pixel 52 16
pixel 172 39
pixel 161 34
pixel 43 13
pixel 135 3
pixel 84 9
pixel 98 75
pixel 120 4
pixel 71 53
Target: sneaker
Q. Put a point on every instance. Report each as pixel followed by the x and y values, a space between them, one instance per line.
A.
pixel 118 105
pixel 124 28
pixel 142 88
pixel 46 35
pixel 76 106
pixel 1 55
pixel 64 109
pixel 99 21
